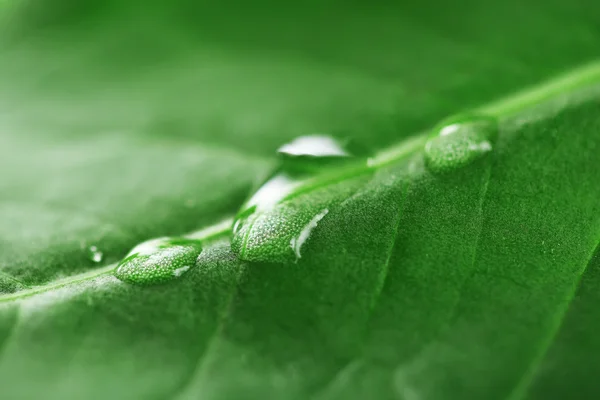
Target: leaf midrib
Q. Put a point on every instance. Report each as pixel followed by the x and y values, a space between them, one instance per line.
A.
pixel 504 108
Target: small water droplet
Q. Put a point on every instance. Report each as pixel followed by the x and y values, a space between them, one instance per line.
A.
pixel 297 241
pixel 158 260
pixel 95 254
pixel 460 141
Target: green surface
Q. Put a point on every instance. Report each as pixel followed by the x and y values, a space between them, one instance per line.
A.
pixel 125 121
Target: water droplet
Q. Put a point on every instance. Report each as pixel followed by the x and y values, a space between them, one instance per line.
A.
pixel 460 141
pixel 297 241
pixel 158 260
pixel 311 153
pixel 279 232
pixel 95 254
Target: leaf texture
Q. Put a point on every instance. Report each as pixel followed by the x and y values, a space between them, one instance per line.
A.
pixel 119 126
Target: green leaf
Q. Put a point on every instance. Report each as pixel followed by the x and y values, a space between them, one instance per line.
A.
pixel 386 278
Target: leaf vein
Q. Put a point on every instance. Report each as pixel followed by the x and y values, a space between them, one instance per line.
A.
pixel 523 385
pixel 202 357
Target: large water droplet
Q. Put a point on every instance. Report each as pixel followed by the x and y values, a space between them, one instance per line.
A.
pixel 460 141
pixel 158 260
pixel 312 153
pixel 279 231
pixel 279 234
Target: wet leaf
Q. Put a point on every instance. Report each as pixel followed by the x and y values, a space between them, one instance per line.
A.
pixel 381 278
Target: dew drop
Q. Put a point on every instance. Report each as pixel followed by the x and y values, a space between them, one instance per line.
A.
pixel 95 254
pixel 460 141
pixel 278 231
pixel 158 260
pixel 270 228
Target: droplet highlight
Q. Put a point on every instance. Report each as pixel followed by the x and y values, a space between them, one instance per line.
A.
pixel 279 232
pixel 460 141
pixel 158 260
pixel 298 241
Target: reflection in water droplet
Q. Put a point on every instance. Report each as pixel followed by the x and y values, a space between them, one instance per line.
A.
pixel 267 196
pixel 313 145
pixel 311 153
pixel 95 254
pixel 271 192
pixel 297 241
pixel 459 142
pixel 158 260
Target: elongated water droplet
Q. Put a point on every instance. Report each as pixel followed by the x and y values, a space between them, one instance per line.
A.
pixel 261 227
pixel 95 254
pixel 460 141
pixel 158 260
pixel 279 232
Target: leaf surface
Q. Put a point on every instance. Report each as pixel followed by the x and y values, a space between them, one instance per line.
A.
pixel 120 126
